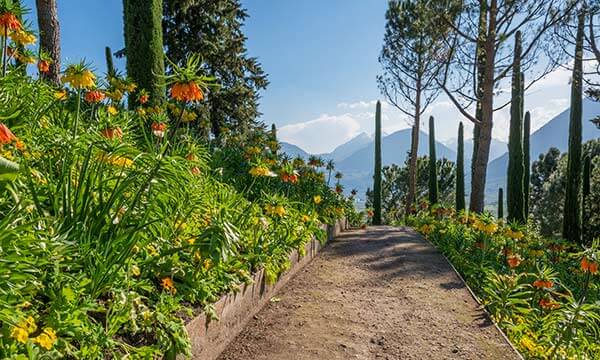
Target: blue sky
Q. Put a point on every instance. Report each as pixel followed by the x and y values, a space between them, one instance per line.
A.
pixel 321 57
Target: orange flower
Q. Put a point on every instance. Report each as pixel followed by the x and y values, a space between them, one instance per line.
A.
pixel 189 91
pixel 6 136
pixel 585 265
pixel 94 96
pixel 167 284
pixel 112 133
pixel 8 21
pixel 549 304
pixel 144 99
pixel 158 129
pixel 196 170
pixel 543 284
pixel 43 66
pixel 513 261
pixel 590 266
pixel 593 267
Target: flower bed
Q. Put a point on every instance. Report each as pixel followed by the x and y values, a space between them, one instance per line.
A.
pixel 544 294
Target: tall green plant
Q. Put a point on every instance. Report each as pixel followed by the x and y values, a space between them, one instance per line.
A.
pixel 110 66
pixel 144 47
pixel 377 173
pixel 572 211
pixel 433 181
pixel 500 203
pixel 460 170
pixel 515 196
pixel 526 161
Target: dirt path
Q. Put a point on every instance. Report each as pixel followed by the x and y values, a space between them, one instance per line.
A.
pixel 381 293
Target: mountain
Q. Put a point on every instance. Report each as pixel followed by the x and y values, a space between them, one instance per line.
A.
pixel 345 150
pixel 358 167
pixel 497 148
pixel 555 133
pixel 293 151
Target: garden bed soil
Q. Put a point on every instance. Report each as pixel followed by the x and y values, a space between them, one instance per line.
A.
pixel 379 293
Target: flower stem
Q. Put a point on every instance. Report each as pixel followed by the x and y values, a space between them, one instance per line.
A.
pixel 77 113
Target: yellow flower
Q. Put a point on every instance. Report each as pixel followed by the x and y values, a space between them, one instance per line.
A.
pixel 19 334
pixel 490 228
pixel 261 171
pixel 517 235
pixel 207 264
pixel 46 339
pixel 79 77
pixel 112 110
pixel 151 250
pixel 277 210
pixel 61 95
pixel 135 270
pixel 119 161
pixel 527 343
pixel 22 37
pixel 317 199
pixel 305 218
pixel 426 229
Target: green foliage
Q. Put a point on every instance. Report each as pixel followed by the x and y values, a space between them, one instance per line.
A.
pixel 110 66
pixel 500 204
pixel 377 189
pixel 572 208
pixel 433 176
pixel 214 29
pixel 395 187
pixel 515 187
pixel 144 47
pixel 526 162
pixel 460 170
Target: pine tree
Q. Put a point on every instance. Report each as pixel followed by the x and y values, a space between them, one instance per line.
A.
pixel 572 213
pixel 526 162
pixel 214 29
pixel 433 181
pixel 500 204
pixel 515 196
pixel 377 174
pixel 144 47
pixel 460 170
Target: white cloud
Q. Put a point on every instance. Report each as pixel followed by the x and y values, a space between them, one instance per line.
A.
pixel 322 134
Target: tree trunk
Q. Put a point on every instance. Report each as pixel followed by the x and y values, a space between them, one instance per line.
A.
pixel 487 113
pixel 377 174
pixel 48 24
pixel 414 148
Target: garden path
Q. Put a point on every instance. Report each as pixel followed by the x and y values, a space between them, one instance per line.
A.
pixel 379 293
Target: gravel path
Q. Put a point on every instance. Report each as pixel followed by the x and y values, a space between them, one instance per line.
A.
pixel 379 293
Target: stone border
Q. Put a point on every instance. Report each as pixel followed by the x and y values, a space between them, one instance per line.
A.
pixel 210 338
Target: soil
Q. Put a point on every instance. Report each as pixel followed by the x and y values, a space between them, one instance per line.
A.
pixel 379 293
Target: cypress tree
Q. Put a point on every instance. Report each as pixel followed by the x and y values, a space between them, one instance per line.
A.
pixel 572 213
pixel 460 170
pixel 274 132
pixel 585 192
pixel 526 161
pixel 433 182
pixel 110 67
pixel 515 196
pixel 144 47
pixel 377 174
pixel 500 204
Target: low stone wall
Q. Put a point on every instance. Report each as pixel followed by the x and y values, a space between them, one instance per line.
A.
pixel 209 339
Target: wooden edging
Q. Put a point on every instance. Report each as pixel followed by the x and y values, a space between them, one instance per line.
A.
pixel 210 338
pixel 474 296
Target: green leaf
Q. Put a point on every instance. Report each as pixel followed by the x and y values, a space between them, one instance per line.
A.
pixel 8 169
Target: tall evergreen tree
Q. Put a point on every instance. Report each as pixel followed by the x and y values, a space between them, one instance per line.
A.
pixel 49 26
pixel 515 195
pixel 460 170
pixel 214 29
pixel 110 66
pixel 433 180
pixel 377 173
pixel 500 204
pixel 572 213
pixel 526 161
pixel 144 47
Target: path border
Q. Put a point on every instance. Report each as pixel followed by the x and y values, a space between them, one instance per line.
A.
pixel 210 338
pixel 473 295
